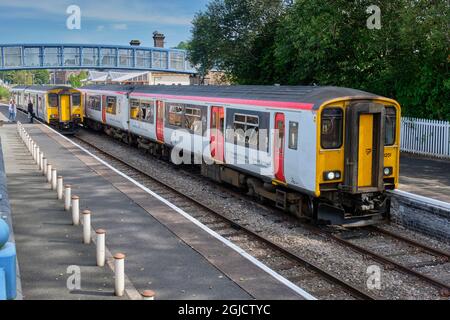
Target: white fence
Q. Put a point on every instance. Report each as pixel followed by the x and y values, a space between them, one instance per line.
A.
pixel 426 137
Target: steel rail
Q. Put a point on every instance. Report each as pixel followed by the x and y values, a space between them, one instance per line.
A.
pixel 433 251
pixel 349 288
pixel 387 262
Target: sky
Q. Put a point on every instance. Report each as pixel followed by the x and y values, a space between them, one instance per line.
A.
pixel 114 22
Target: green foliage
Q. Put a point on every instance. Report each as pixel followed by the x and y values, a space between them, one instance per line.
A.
pixel 75 79
pixel 4 94
pixel 183 45
pixel 232 36
pixel 26 77
pixel 328 43
pixel 41 76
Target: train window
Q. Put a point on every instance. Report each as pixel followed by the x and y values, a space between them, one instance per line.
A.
pixel 111 105
pixel 332 128
pixel 53 100
pixel 176 115
pixel 134 109
pixel 293 135
pixel 193 119
pixel 246 128
pixel 147 113
pixel 390 126
pixel 94 103
pixel 76 99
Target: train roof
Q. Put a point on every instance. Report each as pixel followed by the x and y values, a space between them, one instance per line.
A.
pixel 41 88
pixel 311 95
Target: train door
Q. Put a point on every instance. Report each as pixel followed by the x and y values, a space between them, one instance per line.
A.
pixel 280 132
pixel 104 109
pixel 160 121
pixel 364 147
pixel 64 112
pixel 217 130
pixel 365 152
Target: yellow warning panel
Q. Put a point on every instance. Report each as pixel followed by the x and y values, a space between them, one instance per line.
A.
pixel 365 160
pixel 65 115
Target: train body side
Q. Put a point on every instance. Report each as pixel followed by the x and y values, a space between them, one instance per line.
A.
pixel 291 165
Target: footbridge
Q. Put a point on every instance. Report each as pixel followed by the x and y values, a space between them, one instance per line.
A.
pixel 97 57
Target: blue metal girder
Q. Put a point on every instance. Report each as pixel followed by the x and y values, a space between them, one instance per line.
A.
pixel 74 56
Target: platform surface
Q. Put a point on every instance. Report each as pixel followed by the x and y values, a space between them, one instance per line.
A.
pixel 426 177
pixel 165 251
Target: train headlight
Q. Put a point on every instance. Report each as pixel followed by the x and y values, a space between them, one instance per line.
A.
pixel 332 175
pixel 388 171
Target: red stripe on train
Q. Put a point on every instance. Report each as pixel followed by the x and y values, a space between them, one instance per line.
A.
pixel 261 103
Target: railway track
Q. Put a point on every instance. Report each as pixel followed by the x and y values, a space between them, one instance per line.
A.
pixel 410 249
pixel 282 260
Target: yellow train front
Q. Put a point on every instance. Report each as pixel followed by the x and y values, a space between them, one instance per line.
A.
pixel 58 106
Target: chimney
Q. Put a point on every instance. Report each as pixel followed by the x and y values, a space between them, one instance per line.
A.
pixel 158 39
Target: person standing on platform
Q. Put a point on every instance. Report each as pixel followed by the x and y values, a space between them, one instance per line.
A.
pixel 11 109
pixel 14 110
pixel 30 111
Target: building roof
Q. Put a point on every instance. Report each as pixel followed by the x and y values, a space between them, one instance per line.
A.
pixel 113 76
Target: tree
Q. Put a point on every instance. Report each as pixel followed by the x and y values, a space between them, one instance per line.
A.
pixel 75 80
pixel 4 94
pixel 41 76
pixel 231 35
pixel 183 45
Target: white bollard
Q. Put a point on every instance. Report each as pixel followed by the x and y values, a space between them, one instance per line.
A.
pixel 41 161
pixel 119 270
pixel 49 173
pixel 54 179
pixel 148 295
pixel 86 227
pixel 59 188
pixel 101 244
pixel 67 197
pixel 44 166
pixel 38 156
pixel 34 151
pixel 76 211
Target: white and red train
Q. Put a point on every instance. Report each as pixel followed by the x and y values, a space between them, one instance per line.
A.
pixel 325 153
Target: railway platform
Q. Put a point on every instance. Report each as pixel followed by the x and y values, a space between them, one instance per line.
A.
pixel 426 177
pixel 165 251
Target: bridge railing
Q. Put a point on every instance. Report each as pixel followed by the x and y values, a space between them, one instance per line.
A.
pixel 426 137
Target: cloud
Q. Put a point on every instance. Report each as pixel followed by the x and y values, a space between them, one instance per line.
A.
pixel 120 26
pixel 100 28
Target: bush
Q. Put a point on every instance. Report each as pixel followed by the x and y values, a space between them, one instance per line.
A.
pixel 4 94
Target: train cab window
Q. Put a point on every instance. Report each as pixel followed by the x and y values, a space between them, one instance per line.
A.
pixel 293 135
pixel 193 119
pixel 53 100
pixel 176 115
pixel 390 126
pixel 76 99
pixel 147 113
pixel 134 109
pixel 332 128
pixel 111 105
